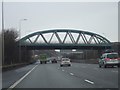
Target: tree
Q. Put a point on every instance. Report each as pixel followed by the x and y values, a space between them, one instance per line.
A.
pixel 11 48
pixel 10 36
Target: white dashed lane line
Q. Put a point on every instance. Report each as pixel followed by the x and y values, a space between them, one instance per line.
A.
pixel 88 81
pixel 95 68
pixel 71 74
pixel 83 66
pixel 115 71
pixel 63 70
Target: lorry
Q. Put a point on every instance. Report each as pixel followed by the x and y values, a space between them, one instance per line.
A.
pixel 43 58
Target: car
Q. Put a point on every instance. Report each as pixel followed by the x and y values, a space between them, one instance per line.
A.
pixel 54 61
pixel 65 62
pixel 108 51
pixel 109 59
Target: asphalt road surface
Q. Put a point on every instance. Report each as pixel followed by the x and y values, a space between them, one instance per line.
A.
pixel 53 76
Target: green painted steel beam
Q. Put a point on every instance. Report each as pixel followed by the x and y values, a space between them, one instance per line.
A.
pixel 103 39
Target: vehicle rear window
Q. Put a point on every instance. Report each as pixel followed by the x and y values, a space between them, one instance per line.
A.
pixel 65 59
pixel 112 56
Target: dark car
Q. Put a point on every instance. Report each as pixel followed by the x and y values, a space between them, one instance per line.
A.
pixel 54 61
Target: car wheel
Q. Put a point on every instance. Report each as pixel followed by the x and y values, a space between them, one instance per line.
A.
pixel 99 66
pixel 40 62
pixel 112 66
pixel 61 65
pixel 69 65
pixel 45 62
pixel 118 65
pixel 105 66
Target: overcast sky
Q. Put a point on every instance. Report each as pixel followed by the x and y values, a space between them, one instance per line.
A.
pixel 97 17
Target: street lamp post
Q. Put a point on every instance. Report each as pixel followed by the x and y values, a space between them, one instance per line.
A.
pixel 20 21
pixel 104 36
pixel 2 33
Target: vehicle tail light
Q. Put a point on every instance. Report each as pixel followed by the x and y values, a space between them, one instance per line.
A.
pixel 118 58
pixel 107 59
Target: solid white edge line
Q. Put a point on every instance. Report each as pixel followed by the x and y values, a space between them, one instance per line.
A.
pixel 89 81
pixel 17 82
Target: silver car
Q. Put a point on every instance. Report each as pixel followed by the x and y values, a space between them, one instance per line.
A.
pixel 109 59
pixel 65 62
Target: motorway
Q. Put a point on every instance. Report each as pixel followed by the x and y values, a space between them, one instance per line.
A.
pixel 53 76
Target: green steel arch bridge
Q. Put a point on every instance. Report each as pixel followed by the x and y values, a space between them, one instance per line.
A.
pixel 64 39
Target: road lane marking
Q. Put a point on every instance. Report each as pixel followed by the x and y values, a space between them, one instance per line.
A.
pixel 89 81
pixel 71 74
pixel 83 66
pixel 95 68
pixel 63 70
pixel 17 82
pixel 115 71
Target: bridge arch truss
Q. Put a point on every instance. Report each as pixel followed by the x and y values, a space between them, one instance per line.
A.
pixel 65 39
